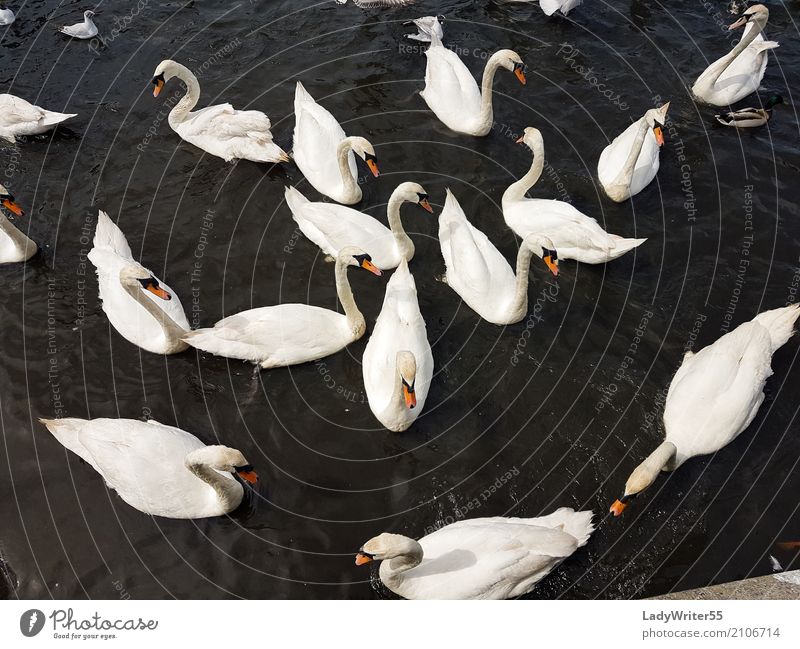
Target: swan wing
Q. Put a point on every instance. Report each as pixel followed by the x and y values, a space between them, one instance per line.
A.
pixel 15 111
pixel 450 89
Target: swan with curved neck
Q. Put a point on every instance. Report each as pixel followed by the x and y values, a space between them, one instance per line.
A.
pixel 452 94
pixel 323 152
pixel 289 334
pixel 333 227
pixel 219 130
pixel 574 235
pixel 738 73
pixel 159 470
pixel 480 274
pixel 478 558
pixel 631 161
pixel 14 245
pixel 398 362
pixel 143 309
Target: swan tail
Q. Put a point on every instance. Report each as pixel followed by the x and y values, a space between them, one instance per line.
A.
pixel 765 45
pixel 67 432
pixel 576 524
pixel 295 200
pixel 549 7
pixel 51 119
pixel 779 323
pixel 301 94
pixel 108 235
pixel 621 246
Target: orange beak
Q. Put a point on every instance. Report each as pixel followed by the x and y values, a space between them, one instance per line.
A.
pixel 659 135
pixel 157 86
pixel 739 23
pixel 248 476
pixel 410 397
pixel 618 507
pixel 361 559
pixel 521 75
pixel 16 209
pixel 159 292
pixel 372 268
pixel 789 545
pixel 521 140
pixel 552 264
pixel 424 204
pixel 373 167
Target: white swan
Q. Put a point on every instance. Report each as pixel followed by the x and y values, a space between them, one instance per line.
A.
pixel 575 235
pixel 85 30
pixel 738 73
pixel 14 245
pixel 452 94
pixel 714 396
pixel 631 161
pixel 157 469
pixel 289 334
pixel 333 227
pixel 324 153
pixel 478 558
pixel 398 363
pixel 7 17
pixel 426 27
pixel 145 311
pixel 479 273
pixel 19 117
pixel 221 130
pixel 549 7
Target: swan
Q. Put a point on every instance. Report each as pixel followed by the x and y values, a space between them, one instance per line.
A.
pixel 7 17
pixel 332 227
pixel 738 73
pixel 220 130
pixel 714 396
pixel 324 153
pixel 14 246
pixel 289 334
pixel 478 558
pixel 144 310
pixel 750 117
pixel 19 117
pixel 426 26
pixel 452 94
pixel 549 7
pixel 398 363
pixel 631 161
pixel 85 30
pixel 480 274
pixel 575 235
pixel 157 469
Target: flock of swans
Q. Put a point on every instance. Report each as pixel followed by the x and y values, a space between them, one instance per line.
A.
pixel 165 471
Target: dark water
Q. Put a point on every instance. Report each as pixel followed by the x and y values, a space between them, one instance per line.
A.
pixel 562 424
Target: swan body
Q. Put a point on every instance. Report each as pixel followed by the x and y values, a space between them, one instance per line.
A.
pixel 333 227
pixel 14 245
pixel 289 334
pixel 575 235
pixel 426 26
pixel 85 30
pixel 479 273
pixel 398 363
pixel 549 7
pixel 143 310
pixel 750 117
pixel 452 93
pixel 7 17
pixel 157 469
pixel 738 73
pixel 325 154
pixel 19 117
pixel 478 558
pixel 631 161
pixel 714 395
pixel 220 130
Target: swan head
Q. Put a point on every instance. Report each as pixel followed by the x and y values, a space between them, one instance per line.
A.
pixel 225 460
pixel 656 118
pixel 757 14
pixel 364 150
pixel 532 138
pixel 7 201
pixel 387 546
pixel 139 277
pixel 645 474
pixel 413 193
pixel 88 15
pixel 512 62
pixel 544 248
pixel 164 72
pixel 352 256
pixel 407 369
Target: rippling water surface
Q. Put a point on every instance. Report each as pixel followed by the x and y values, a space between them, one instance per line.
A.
pixel 555 411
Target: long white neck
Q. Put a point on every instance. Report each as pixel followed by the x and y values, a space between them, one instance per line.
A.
pixel 173 332
pixel 517 191
pixel 404 243
pixel 23 246
pixel 741 46
pixel 355 319
pixel 520 303
pixel 625 176
pixel 391 570
pixel 228 491
pixel 487 114
pixel 178 114
pixel 352 192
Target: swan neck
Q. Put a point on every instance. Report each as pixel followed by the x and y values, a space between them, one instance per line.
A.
pixel 523 267
pixel 487 83
pixel 173 332
pixel 227 493
pixel 178 114
pixel 18 239
pixel 741 46
pixel 404 243
pixel 392 569
pixel 352 193
pixel 625 176
pixel 517 191
pixel 355 318
pixel 661 457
